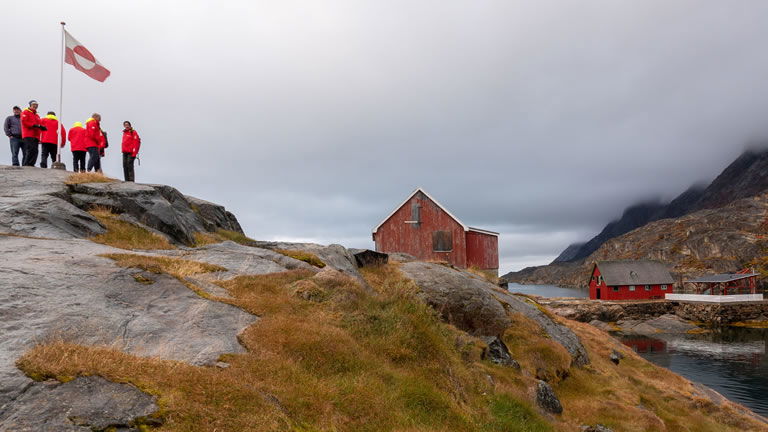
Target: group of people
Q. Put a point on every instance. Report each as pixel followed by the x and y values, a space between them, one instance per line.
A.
pixel 28 133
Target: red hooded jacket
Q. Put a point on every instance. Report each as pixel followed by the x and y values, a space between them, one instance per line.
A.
pixel 93 136
pixel 77 138
pixel 51 136
pixel 131 142
pixel 29 118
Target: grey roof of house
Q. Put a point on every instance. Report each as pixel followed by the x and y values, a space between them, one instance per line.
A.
pixel 630 272
pixel 723 277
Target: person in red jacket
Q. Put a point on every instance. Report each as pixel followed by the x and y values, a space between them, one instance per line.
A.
pixel 77 145
pixel 52 138
pixel 30 133
pixel 94 142
pixel 131 144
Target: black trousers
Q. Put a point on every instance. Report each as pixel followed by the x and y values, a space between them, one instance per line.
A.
pixel 78 161
pixel 47 149
pixel 128 167
pixel 30 146
pixel 94 160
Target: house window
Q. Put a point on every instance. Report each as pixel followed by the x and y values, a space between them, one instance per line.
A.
pixel 663 287
pixel 442 241
pixel 631 287
pixel 600 280
pixel 647 287
pixel 615 289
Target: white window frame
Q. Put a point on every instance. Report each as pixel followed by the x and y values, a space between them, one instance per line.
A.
pixel 664 287
pixel 647 287
pixel 632 287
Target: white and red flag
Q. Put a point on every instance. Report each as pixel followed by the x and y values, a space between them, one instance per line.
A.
pixel 78 56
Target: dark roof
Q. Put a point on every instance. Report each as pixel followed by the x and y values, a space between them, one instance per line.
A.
pixel 629 272
pixel 723 277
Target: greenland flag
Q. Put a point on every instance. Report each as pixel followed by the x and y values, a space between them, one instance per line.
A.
pixel 78 56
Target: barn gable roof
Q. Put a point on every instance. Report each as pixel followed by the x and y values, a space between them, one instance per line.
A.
pixel 634 272
pixel 466 228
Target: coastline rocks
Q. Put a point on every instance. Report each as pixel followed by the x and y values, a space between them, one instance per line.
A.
pixel 83 404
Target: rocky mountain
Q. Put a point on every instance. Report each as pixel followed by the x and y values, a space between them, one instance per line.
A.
pixel 724 239
pixel 132 307
pixel 744 177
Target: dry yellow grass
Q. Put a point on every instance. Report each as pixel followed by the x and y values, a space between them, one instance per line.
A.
pixel 236 237
pixel 487 275
pixel 206 238
pixel 88 177
pixel 307 257
pixel 125 235
pixel 177 267
pixel 348 360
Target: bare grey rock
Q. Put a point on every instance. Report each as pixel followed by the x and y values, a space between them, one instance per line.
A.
pixel 595 428
pixel 62 289
pixel 214 216
pixel 45 216
pixel 558 332
pixel 160 207
pixel 461 298
pixel 335 256
pixel 81 405
pixel 667 323
pixel 546 398
pixel 616 357
pixel 497 352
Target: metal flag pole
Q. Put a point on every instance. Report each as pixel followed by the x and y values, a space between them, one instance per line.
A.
pixel 58 164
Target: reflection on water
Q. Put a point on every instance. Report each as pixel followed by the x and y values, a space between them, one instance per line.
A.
pixel 548 290
pixel 731 360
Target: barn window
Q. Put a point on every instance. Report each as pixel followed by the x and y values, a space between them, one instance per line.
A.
pixel 442 241
pixel 647 287
pixel 615 289
pixel 631 287
pixel 415 212
pixel 663 287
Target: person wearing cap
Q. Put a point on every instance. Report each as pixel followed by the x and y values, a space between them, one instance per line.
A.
pixel 94 141
pixel 131 144
pixel 77 145
pixel 30 133
pixel 12 128
pixel 52 138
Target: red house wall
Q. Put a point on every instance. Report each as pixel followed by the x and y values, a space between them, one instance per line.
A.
pixel 593 285
pixel 394 235
pixel 607 292
pixel 482 251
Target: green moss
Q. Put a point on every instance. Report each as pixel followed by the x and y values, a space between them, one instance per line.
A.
pixel 510 415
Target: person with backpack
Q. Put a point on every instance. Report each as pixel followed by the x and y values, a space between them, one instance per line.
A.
pixel 131 144
pixel 94 142
pixel 53 137
pixel 77 145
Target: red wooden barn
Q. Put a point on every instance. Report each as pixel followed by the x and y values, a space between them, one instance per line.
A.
pixel 421 227
pixel 629 280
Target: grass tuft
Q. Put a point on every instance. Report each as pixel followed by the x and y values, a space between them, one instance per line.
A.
pixel 88 177
pixel 125 235
pixel 236 237
pixel 307 257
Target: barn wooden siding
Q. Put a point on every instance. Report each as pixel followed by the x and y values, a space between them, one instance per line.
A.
pixel 482 250
pixel 417 239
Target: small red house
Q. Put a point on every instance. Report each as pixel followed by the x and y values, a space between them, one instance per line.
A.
pixel 629 280
pixel 421 227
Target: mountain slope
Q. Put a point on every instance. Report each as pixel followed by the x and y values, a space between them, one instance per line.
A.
pixel 744 177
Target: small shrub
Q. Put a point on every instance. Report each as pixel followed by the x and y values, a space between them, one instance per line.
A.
pixel 88 177
pixel 307 257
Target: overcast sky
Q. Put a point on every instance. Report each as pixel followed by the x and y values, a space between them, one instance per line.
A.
pixel 311 120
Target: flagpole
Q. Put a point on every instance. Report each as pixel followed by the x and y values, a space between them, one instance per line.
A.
pixel 61 100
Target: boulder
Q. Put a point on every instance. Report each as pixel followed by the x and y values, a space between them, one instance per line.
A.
pixel 82 405
pixel 335 256
pixel 497 352
pixel 546 398
pixel 46 216
pixel 214 216
pixel 616 357
pixel 558 332
pixel 162 208
pixel 595 428
pixel 461 298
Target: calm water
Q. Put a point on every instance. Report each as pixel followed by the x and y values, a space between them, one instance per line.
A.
pixel 732 361
pixel 548 290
